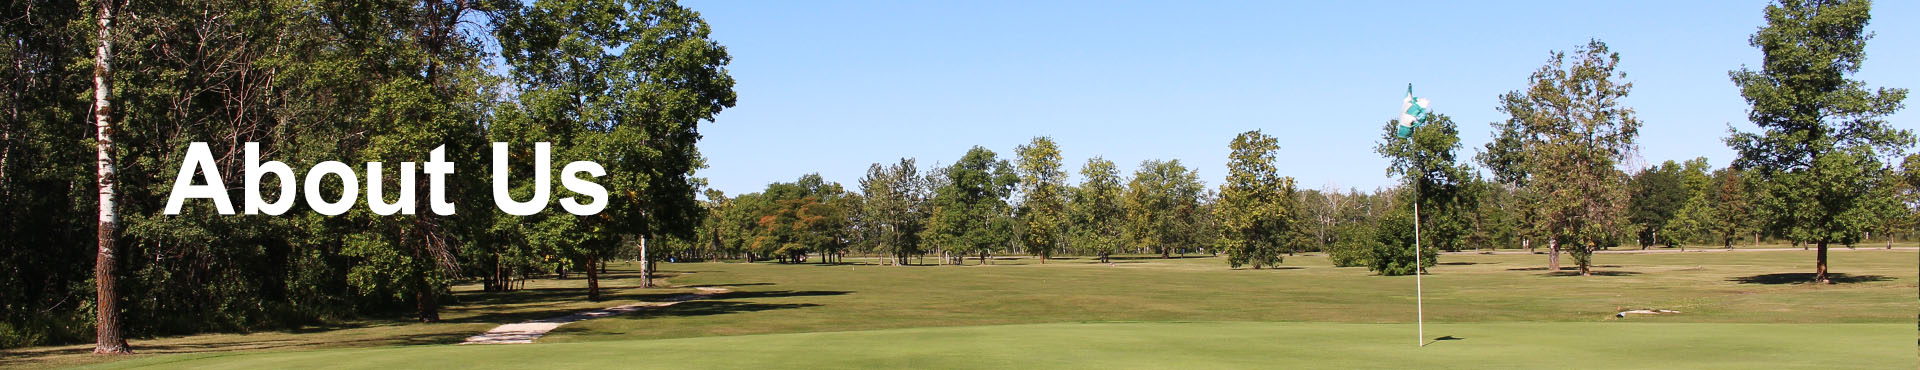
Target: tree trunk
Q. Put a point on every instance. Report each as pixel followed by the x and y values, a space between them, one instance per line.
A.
pixel 1585 268
pixel 1553 255
pixel 108 336
pixel 425 302
pixel 593 279
pixel 1820 267
pixel 646 269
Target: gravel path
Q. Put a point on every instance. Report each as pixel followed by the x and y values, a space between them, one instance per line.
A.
pixel 527 332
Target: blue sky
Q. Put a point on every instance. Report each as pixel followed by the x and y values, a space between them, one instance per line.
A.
pixel 831 87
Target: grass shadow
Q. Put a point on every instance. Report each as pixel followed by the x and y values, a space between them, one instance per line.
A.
pixel 1564 272
pixel 1807 277
pixel 1562 268
pixel 1128 258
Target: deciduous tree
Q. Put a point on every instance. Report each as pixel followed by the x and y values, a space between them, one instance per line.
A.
pixel 1822 135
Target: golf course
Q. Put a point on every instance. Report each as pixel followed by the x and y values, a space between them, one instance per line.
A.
pixel 701 184
pixel 1737 310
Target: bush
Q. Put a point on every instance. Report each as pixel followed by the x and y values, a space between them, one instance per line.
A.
pixel 1351 246
pixel 1391 253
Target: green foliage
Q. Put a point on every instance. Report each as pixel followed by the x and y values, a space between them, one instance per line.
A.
pixel 1822 135
pixel 1163 207
pixel 970 211
pixel 624 84
pixel 1427 162
pixel 1257 208
pixel 1096 210
pixel 1657 194
pixel 311 81
pixel 1564 136
pixel 1043 197
pixel 1352 245
pixel 1691 222
pixel 1391 252
pixel 894 214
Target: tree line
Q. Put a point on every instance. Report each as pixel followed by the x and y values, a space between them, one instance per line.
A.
pixel 622 83
pixel 1558 175
pixel 627 84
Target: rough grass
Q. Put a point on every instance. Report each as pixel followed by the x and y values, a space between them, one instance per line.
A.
pixel 1508 302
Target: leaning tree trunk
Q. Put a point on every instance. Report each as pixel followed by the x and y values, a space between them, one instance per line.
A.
pixel 108 338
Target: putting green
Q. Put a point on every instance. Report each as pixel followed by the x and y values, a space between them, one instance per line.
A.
pixel 1532 345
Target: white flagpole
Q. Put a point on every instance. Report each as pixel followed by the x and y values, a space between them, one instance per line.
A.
pixel 1419 301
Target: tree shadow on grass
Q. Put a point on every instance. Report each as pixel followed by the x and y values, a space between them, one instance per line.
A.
pixel 1562 268
pixel 1576 272
pixel 1807 277
pixel 1175 257
pixel 31 356
pixel 709 308
pixel 720 285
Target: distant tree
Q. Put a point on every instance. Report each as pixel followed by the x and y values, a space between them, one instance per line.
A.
pixel 1732 206
pixel 1821 134
pixel 1043 197
pixel 894 214
pixel 1656 195
pixel 1696 215
pixel 806 216
pixel 971 215
pixel 1257 206
pixel 1905 215
pixel 1095 210
pixel 1569 131
pixel 1163 206
pixel 1352 245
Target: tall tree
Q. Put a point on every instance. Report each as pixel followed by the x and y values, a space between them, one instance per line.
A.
pixel 1428 162
pixel 109 338
pixel 1822 135
pixel 971 215
pixel 1095 210
pixel 1694 218
pixel 1732 206
pixel 1570 130
pixel 894 214
pixel 1257 207
pixel 1043 198
pixel 624 84
pixel 1163 206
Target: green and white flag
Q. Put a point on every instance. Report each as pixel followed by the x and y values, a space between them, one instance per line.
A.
pixel 1413 113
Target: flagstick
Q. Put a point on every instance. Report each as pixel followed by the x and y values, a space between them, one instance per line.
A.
pixel 1419 302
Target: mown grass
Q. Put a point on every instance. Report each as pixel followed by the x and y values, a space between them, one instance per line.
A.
pixel 1880 289
pixel 1168 345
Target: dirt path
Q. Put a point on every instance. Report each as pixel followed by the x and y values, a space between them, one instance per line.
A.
pixel 527 332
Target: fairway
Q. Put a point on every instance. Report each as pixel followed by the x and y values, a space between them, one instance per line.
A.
pixel 1739 310
pixel 1240 345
